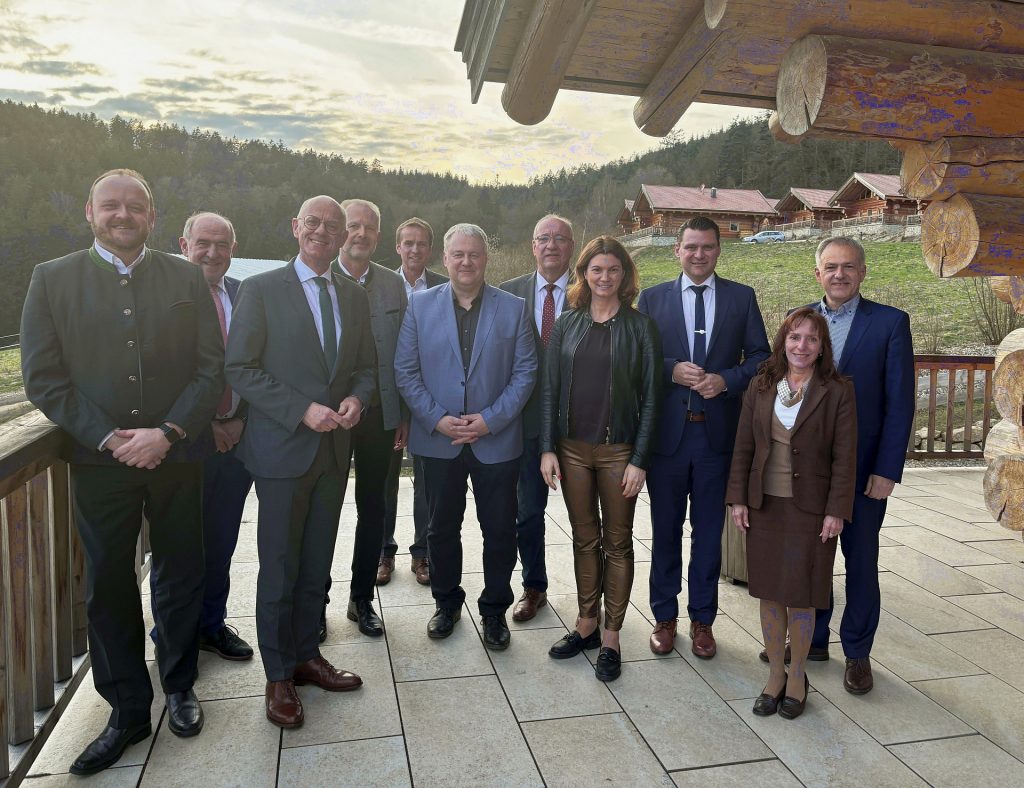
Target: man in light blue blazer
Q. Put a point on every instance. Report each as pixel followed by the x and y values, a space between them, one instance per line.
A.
pixel 466 365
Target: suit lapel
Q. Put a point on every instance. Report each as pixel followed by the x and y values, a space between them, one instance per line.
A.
pixel 722 307
pixel 446 317
pixel 295 294
pixel 675 311
pixel 861 320
pixel 488 310
pixel 763 414
pixel 812 399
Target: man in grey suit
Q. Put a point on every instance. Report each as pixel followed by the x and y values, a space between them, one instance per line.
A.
pixel 544 291
pixel 414 242
pixel 301 354
pixel 466 365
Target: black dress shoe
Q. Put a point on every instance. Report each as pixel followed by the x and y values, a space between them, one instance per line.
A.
pixel 766 705
pixel 572 644
pixel 107 748
pixel 226 644
pixel 609 664
pixel 443 621
pixel 321 634
pixel 791 708
pixel 496 634
pixel 361 611
pixel 184 714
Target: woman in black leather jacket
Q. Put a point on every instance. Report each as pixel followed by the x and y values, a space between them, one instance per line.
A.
pixel 601 386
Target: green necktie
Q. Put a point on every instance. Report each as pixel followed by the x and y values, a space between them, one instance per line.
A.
pixel 327 318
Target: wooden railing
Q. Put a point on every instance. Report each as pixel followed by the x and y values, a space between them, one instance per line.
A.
pixel 952 385
pixel 876 218
pixel 803 224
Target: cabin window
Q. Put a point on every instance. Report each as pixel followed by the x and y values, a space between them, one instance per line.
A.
pixel 733 227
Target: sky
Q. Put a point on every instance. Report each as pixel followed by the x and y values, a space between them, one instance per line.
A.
pixel 370 79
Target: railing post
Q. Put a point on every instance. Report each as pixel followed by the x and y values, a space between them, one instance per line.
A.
pixel 19 643
pixel 41 609
pixel 79 618
pixel 5 637
pixel 61 516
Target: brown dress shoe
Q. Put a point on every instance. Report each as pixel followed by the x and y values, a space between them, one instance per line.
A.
pixel 663 637
pixel 284 708
pixel 529 603
pixel 385 567
pixel 857 679
pixel 421 568
pixel 703 638
pixel 323 674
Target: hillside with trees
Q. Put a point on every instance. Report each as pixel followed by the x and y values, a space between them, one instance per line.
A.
pixel 48 159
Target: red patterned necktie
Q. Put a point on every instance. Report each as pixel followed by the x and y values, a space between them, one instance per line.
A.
pixel 547 320
pixel 225 401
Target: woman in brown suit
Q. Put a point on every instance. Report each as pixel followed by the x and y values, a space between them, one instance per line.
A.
pixel 791 486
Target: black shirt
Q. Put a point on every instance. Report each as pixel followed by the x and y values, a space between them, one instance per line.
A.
pixel 466 321
pixel 590 395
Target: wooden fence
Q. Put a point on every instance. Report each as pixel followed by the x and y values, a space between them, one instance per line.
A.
pixel 954 385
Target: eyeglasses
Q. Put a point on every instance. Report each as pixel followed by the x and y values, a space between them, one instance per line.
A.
pixel 312 222
pixel 558 239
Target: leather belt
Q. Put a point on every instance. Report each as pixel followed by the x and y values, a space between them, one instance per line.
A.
pixel 694 416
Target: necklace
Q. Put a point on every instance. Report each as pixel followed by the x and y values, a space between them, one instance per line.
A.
pixel 789 397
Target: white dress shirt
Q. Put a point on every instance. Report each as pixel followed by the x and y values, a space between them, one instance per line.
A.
pixel 360 279
pixel 117 262
pixel 312 290
pixel 689 307
pixel 787 414
pixel 542 293
pixel 417 286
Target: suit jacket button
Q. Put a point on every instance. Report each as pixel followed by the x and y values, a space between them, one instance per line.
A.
pixel 132 379
pixel 796 475
pixel 131 343
pixel 124 283
pixel 796 451
pixel 127 313
pixel 135 413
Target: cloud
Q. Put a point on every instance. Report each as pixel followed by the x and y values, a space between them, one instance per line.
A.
pixel 58 68
pixel 187 85
pixel 86 89
pixel 25 96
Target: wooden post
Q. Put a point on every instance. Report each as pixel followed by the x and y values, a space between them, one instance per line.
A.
pixel 5 638
pixel 978 165
pixel 41 609
pixel 19 646
pixel 899 90
pixel 545 50
pixel 974 235
pixel 61 516
pixel 79 617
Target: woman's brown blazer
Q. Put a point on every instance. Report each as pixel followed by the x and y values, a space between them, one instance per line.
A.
pixel 823 442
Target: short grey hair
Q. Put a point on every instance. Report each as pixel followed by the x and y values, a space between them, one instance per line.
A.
pixel 357 201
pixel 190 221
pixel 557 218
pixel 472 230
pixel 841 240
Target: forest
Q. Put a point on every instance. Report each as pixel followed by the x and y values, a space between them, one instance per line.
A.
pixel 48 159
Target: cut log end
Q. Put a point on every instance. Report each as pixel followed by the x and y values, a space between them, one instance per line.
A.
pixel 922 172
pixel 1000 286
pixel 1008 387
pixel 949 237
pixel 714 10
pixel 1004 439
pixel 1004 492
pixel 801 86
pixel 775 127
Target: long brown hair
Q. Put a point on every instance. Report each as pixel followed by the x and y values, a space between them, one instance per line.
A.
pixel 579 291
pixel 774 368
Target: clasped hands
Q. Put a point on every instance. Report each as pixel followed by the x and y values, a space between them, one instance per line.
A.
pixel 144 447
pixel 463 430
pixel 320 418
pixel 707 384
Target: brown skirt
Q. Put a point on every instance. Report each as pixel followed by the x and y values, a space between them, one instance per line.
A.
pixel 786 560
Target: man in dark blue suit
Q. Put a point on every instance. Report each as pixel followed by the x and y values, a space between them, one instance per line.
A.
pixel 713 339
pixel 874 347
pixel 208 241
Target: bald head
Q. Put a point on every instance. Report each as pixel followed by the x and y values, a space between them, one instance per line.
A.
pixel 320 230
pixel 208 241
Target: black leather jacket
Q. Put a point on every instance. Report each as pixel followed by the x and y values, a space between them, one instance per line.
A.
pixel 636 371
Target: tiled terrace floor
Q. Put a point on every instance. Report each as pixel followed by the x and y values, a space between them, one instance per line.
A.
pixel 947 709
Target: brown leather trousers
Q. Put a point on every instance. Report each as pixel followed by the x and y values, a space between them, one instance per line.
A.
pixel 602 544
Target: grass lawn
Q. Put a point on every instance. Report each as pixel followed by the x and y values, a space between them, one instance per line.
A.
pixel 783 277
pixel 10 370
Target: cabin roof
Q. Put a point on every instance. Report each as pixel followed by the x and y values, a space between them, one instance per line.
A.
pixel 883 186
pixel 800 199
pixel 697 199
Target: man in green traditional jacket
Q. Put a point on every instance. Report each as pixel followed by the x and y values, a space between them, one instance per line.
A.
pixel 121 348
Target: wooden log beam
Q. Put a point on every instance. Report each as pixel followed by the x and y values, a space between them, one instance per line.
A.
pixel 751 66
pixel 1004 491
pixel 1008 388
pixel 897 90
pixel 979 165
pixel 1012 342
pixel 776 130
pixel 1000 286
pixel 542 59
pixel 974 235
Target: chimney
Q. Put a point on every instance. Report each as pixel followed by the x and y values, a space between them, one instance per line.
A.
pixel 714 192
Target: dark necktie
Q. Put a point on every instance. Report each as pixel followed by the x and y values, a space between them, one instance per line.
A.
pixel 327 318
pixel 700 347
pixel 225 401
pixel 547 320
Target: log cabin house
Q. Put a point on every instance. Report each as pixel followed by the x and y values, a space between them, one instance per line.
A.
pixel 872 198
pixel 806 208
pixel 625 218
pixel 738 212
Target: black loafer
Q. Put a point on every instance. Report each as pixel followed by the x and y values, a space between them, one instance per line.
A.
pixel 107 748
pixel 496 634
pixel 791 708
pixel 321 634
pixel 609 664
pixel 361 611
pixel 184 714
pixel 766 705
pixel 443 621
pixel 226 644
pixel 572 644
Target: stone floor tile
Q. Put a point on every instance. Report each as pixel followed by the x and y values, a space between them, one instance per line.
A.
pixel 893 712
pixel 898 503
pixel 914 656
pixel 461 732
pixel 952 504
pixel 223 678
pixel 1006 577
pixel 415 657
pixel 369 763
pixel 968 760
pixel 992 650
pixel 922 609
pixel 82 721
pixel 1007 549
pixel 114 777
pixel 735 672
pixel 939 547
pixel 605 749
pixel 883 541
pixel 823 747
pixel 540 688
pixel 956 492
pixel 1002 610
pixel 368 712
pixel 990 706
pixel 245 550
pixel 764 774
pixel 736 602
pixel 404 590
pixel 238 746
pixel 940 523
pixel 682 719
pixel 242 599
pixel 925 571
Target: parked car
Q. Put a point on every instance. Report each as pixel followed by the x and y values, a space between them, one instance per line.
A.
pixel 765 237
